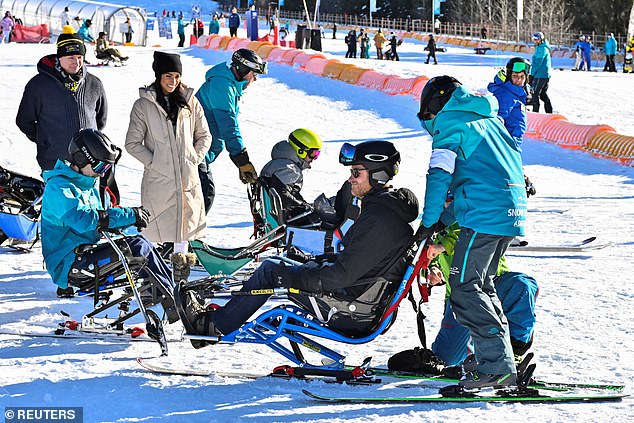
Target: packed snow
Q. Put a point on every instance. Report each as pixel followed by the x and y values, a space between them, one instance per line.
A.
pixel 584 321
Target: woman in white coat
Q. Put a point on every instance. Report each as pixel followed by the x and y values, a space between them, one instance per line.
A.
pixel 168 133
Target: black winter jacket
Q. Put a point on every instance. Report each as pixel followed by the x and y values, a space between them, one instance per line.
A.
pixel 380 233
pixel 50 114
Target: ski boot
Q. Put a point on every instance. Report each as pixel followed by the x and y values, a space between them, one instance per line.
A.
pixel 195 317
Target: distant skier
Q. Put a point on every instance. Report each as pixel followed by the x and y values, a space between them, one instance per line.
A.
pixel 540 72
pixel 610 52
pixel 431 49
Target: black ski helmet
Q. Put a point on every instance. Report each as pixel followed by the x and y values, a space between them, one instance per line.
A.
pixel 517 64
pixel 90 146
pixel 436 94
pixel 380 158
pixel 244 61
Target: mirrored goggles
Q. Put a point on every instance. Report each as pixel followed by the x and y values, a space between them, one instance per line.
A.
pixel 521 67
pixel 314 154
pixel 101 167
pixel 346 155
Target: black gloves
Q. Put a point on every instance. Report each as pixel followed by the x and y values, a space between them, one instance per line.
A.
pixel 424 232
pixel 142 217
pixel 248 175
pixel 530 188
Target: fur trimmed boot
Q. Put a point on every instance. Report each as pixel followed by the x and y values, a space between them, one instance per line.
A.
pixel 181 266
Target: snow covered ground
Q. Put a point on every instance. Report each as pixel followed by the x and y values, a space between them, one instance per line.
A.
pixel 585 325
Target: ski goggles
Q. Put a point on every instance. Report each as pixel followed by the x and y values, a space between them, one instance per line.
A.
pixel 521 67
pixel 314 153
pixel 101 167
pixel 347 153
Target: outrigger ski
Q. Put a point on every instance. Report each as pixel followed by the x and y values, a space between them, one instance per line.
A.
pixel 586 245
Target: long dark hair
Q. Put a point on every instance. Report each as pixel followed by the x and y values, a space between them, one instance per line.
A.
pixel 175 100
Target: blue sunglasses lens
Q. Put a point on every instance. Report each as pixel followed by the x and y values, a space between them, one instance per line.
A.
pixel 346 155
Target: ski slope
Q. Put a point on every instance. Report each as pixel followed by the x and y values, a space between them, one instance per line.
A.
pixel 585 327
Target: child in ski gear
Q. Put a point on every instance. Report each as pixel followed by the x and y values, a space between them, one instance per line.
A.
pixel 517 293
pixel 540 73
pixel 73 215
pixel 384 221
pixel 475 158
pixel 284 172
pixel 220 96
pixel 168 134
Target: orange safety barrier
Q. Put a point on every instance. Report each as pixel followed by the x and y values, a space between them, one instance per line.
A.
pixel 333 69
pixel 351 74
pixel 255 45
pixel 214 43
pixel 612 145
pixel 418 86
pixel 373 80
pixel 265 50
pixel 203 41
pixel 303 58
pixel 242 43
pixel 276 54
pixel 536 122
pixel 396 85
pixel 316 65
pixel 232 44
pixel 567 134
pixel 224 42
pixel 290 55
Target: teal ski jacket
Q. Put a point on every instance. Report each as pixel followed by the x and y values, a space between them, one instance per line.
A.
pixel 477 160
pixel 69 218
pixel 540 62
pixel 220 95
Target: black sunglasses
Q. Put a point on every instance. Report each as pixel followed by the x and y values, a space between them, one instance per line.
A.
pixel 356 172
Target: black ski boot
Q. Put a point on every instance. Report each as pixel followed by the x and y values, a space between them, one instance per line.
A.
pixel 419 360
pixel 195 318
pixel 65 292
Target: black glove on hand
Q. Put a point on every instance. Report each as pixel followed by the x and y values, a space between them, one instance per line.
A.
pixel 530 188
pixel 290 277
pixel 248 175
pixel 142 217
pixel 424 232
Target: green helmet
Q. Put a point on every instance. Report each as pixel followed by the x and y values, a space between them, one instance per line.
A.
pixel 305 141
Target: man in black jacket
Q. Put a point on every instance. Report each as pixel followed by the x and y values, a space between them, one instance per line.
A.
pixel 384 221
pixel 431 48
pixel 60 100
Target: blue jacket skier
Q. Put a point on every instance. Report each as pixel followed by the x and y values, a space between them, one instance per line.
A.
pixel 73 215
pixel 220 96
pixel 475 158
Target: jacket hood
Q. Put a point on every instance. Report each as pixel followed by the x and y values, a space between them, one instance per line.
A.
pixel 64 170
pixel 283 150
pixel 402 201
pixel 463 100
pixel 222 70
pixel 501 87
pixel 46 65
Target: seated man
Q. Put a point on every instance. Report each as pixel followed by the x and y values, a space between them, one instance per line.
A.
pixel 103 51
pixel 284 174
pixel 73 215
pixel 384 221
pixel 517 293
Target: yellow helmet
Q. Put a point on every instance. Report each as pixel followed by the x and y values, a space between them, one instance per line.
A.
pixel 305 141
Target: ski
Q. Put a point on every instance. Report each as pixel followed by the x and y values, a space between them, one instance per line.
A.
pixel 87 335
pixel 536 384
pixel 497 396
pixel 553 211
pixel 586 245
pixel 165 370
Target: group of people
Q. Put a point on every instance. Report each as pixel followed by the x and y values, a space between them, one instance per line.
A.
pixel 380 41
pixel 177 134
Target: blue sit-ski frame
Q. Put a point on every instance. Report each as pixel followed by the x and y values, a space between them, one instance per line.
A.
pixel 297 325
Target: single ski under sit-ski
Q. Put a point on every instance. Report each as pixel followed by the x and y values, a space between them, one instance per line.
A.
pixel 586 245
pixel 498 396
pixel 160 369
